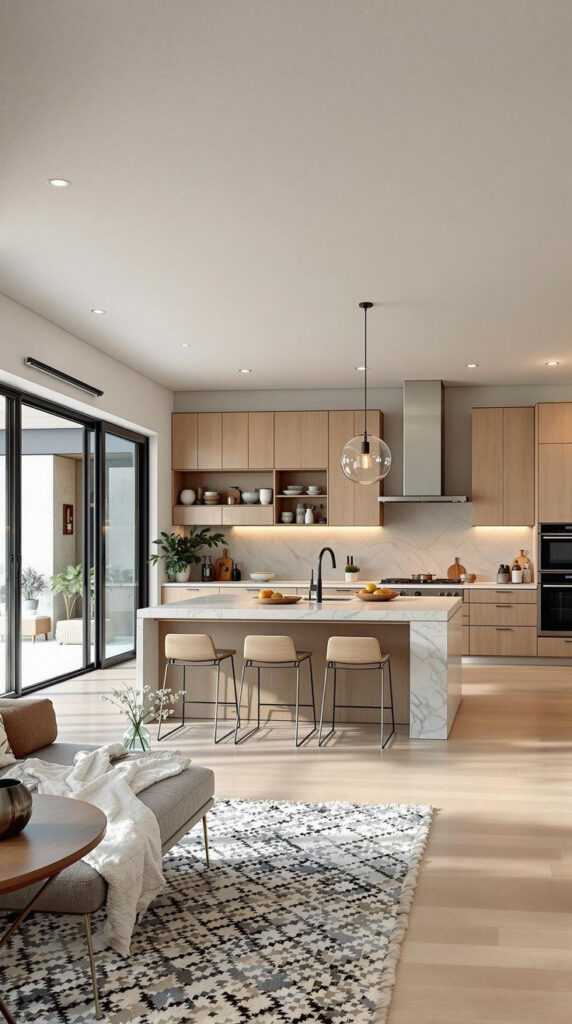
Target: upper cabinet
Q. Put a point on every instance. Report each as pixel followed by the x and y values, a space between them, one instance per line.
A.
pixel 184 440
pixel 301 440
pixel 260 440
pixel 351 504
pixel 503 467
pixel 234 440
pixel 555 462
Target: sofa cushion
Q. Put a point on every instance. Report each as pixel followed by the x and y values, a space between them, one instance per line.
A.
pixel 79 889
pixel 29 724
pixel 6 755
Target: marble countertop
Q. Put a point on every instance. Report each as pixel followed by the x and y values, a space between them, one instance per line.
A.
pixel 235 607
pixel 333 584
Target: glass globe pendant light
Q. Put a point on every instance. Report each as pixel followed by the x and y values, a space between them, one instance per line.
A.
pixel 366 458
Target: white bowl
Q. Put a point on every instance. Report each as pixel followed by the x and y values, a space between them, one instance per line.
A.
pixel 293 490
pixel 287 517
pixel 262 577
pixel 210 494
pixel 250 497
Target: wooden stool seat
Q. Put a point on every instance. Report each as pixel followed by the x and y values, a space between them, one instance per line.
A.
pixel 262 652
pixel 357 653
pixel 188 650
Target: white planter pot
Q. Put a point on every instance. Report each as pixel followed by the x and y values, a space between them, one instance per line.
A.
pixel 351 577
pixel 30 607
pixel 183 577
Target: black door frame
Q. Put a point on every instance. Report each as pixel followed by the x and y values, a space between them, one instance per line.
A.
pixel 93 550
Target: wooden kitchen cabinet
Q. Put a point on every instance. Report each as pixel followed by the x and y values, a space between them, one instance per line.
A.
pixel 184 440
pixel 209 440
pixel 555 423
pixel 171 594
pixel 301 440
pixel 235 440
pixel 197 515
pixel 555 483
pixel 350 504
pixel 503 641
pixel 503 466
pixel 260 440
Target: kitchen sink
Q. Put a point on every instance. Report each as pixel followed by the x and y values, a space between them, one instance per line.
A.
pixel 324 599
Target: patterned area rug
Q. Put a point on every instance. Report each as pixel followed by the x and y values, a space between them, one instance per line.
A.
pixel 300 918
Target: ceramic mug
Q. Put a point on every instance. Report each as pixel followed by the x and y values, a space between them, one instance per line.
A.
pixel 265 495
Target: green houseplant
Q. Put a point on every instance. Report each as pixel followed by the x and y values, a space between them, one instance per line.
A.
pixel 70 585
pixel 179 553
pixel 32 583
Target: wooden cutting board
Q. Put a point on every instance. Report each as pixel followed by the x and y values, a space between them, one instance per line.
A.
pixel 521 561
pixel 454 571
pixel 223 567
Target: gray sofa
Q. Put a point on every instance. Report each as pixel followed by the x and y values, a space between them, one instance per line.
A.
pixel 177 803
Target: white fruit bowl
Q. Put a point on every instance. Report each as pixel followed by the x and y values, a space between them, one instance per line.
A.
pixel 250 497
pixel 262 577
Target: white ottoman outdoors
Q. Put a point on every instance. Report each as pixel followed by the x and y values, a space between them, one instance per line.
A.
pixel 70 631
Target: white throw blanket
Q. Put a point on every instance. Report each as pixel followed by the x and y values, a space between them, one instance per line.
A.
pixel 129 855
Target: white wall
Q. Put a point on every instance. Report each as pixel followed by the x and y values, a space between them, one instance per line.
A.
pixel 129 399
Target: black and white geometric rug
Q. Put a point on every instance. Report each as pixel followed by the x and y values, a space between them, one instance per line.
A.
pixel 300 918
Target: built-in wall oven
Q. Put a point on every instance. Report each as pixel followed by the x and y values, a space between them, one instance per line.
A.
pixel 555 585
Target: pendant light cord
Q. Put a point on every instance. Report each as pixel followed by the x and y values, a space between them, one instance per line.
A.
pixel 365 375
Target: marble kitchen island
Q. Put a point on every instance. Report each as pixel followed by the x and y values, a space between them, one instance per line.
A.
pixel 423 635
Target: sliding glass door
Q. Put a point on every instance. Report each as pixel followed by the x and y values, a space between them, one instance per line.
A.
pixel 123 564
pixel 73 559
pixel 56 623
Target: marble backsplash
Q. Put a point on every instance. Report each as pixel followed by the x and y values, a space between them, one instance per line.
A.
pixel 415 538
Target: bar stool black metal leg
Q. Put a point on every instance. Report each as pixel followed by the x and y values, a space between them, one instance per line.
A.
pixel 312 731
pixel 385 708
pixel 320 740
pixel 335 698
pixel 247 664
pixel 217 738
pixel 312 689
pixel 182 723
pixel 382 704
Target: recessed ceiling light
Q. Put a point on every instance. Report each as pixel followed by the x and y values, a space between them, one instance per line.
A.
pixel 98 312
pixel 59 182
pixel 471 366
pixel 185 344
pixel 362 369
pixel 245 371
pixel 553 362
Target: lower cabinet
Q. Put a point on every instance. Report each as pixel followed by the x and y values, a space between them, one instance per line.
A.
pixel 554 647
pixel 171 594
pixel 503 641
pixel 502 623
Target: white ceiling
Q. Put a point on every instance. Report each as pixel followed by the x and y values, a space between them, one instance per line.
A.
pixel 244 173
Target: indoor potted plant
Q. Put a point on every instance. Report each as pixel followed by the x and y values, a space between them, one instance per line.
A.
pixel 351 573
pixel 32 584
pixel 179 553
pixel 138 707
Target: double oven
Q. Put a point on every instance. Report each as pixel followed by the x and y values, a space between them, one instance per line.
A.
pixel 555 586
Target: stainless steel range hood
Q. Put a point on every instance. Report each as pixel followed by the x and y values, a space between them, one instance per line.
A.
pixel 422 444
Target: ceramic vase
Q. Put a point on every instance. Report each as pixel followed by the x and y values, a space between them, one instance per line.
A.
pixel 183 577
pixel 15 807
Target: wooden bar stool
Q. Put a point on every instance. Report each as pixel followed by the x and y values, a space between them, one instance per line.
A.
pixel 276 652
pixel 359 653
pixel 197 650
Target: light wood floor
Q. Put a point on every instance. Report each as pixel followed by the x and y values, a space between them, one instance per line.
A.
pixel 490 934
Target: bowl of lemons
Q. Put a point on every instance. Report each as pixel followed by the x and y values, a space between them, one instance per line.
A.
pixel 268 596
pixel 371 592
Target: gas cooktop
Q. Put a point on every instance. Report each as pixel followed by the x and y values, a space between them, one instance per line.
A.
pixel 407 581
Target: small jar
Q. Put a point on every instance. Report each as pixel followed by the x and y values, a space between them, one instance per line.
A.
pixel 309 515
pixel 517 574
pixel 503 574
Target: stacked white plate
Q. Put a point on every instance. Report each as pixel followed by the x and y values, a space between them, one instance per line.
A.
pixel 294 489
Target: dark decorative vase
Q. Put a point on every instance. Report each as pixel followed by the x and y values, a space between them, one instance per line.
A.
pixel 15 807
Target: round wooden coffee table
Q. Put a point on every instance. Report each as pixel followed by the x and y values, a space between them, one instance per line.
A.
pixel 60 832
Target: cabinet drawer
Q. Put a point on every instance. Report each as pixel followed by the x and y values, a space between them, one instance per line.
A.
pixel 554 647
pixel 171 594
pixel 503 641
pixel 493 596
pixel 504 614
pixel 197 515
pixel 252 515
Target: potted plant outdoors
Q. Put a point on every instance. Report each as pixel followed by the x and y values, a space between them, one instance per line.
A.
pixel 179 553
pixel 32 583
pixel 70 585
